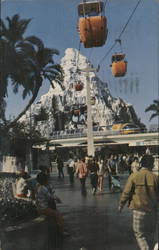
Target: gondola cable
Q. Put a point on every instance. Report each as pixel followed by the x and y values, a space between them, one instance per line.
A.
pixel 84 8
pixel 105 3
pixel 121 33
pixel 120 45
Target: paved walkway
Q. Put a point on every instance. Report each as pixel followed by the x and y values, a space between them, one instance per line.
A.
pixel 94 221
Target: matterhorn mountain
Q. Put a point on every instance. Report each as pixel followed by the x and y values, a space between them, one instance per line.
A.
pixel 65 109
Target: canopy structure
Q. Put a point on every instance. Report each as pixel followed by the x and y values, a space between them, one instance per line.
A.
pixel 87 8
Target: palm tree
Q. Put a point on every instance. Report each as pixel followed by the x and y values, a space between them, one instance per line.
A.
pixel 154 108
pixel 2 111
pixel 40 66
pixel 26 62
pixel 10 36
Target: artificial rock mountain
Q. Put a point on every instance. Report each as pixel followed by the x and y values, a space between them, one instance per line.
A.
pixel 55 109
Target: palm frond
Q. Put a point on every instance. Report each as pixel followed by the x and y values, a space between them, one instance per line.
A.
pixel 26 49
pixel 23 24
pixel 152 107
pixel 25 93
pixel 16 28
pixel 156 102
pixel 45 56
pixel 15 88
pixel 35 41
pixel 153 115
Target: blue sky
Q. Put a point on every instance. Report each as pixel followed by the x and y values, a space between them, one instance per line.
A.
pixel 54 21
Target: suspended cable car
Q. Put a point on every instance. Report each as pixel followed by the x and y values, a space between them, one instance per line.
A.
pixel 93 100
pixel 119 65
pixel 79 86
pixel 92 25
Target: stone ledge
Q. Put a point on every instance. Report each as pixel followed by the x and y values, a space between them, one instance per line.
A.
pixel 25 225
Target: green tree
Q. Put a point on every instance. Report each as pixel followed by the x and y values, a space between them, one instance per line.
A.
pixel 153 108
pixel 25 62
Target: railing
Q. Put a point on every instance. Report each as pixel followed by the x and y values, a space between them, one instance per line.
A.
pixel 78 134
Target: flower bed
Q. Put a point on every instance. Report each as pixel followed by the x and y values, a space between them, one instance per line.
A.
pixel 12 210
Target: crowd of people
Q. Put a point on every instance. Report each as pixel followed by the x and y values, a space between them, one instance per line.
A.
pixel 141 191
pixel 97 168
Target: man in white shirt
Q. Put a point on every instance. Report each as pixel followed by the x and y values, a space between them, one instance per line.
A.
pixel 71 169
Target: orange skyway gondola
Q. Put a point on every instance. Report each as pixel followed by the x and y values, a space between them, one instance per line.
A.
pixel 78 86
pixel 92 24
pixel 119 65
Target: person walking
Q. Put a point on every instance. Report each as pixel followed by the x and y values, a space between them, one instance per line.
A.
pixel 111 164
pixel 60 166
pixel 141 192
pixel 101 173
pixel 71 169
pixel 135 165
pixel 93 169
pixel 81 173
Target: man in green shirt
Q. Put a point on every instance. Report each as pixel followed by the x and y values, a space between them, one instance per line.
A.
pixel 141 192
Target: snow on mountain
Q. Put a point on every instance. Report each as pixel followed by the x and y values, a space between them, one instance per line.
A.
pixel 64 109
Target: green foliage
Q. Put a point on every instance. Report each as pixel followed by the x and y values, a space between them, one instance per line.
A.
pixel 153 108
pixel 25 61
pixel 14 141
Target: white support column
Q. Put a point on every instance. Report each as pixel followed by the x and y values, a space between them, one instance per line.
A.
pixel 90 139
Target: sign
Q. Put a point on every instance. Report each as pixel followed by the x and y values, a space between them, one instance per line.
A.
pixel 145 143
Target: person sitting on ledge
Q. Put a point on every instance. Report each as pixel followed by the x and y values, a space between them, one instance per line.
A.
pixel 46 205
pixel 22 189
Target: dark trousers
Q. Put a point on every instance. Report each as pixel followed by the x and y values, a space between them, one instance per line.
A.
pixel 60 173
pixel 83 187
pixel 94 180
pixel 109 181
pixel 71 177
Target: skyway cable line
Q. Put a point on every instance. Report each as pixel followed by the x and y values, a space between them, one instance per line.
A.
pixel 121 33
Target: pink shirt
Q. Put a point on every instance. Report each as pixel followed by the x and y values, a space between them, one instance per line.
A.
pixel 81 169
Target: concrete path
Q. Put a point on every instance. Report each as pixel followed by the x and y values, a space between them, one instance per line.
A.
pixel 94 222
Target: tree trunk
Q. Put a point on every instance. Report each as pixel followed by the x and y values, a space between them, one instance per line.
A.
pixel 29 158
pixel 13 123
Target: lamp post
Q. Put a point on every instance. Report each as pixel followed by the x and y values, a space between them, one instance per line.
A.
pixel 90 139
